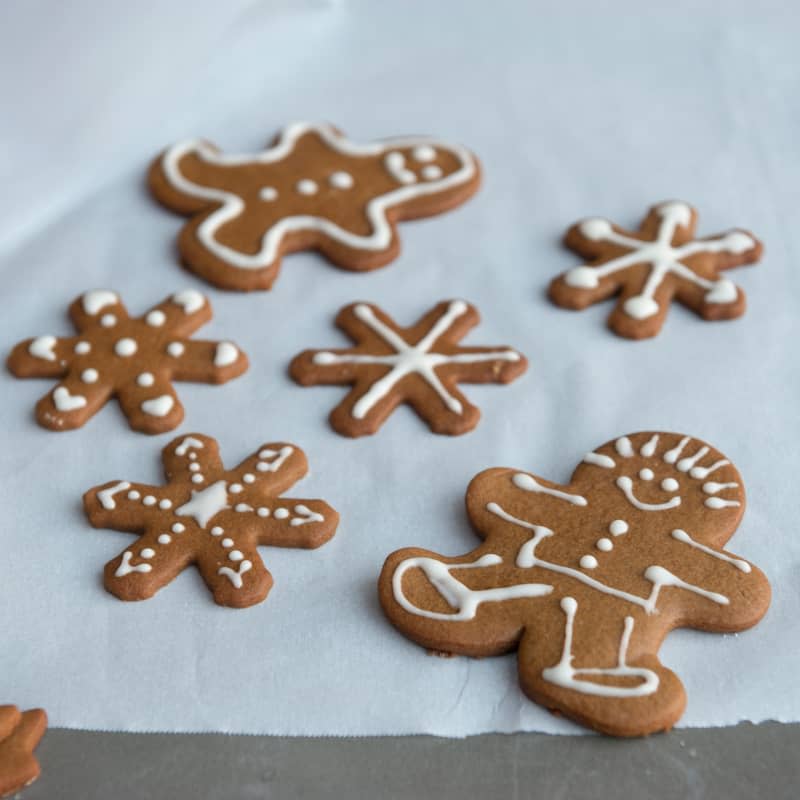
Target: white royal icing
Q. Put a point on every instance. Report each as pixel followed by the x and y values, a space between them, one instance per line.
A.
pixel 682 536
pixel 125 347
pixel 155 318
pixel 232 205
pixel 158 406
pixel 206 503
pixel 235 576
pixel 529 484
pixel 64 401
pixel 565 675
pixel 106 496
pixel 226 354
pixel 409 358
pixel 98 299
pixel 599 460
pixel 190 300
pixel 90 375
pixel 662 257
pixel 176 349
pixel 625 484
pixel 126 567
pixel 42 347
pixel 341 180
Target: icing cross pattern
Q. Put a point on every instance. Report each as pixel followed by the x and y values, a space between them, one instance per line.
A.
pixel 693 461
pixel 328 202
pixel 212 516
pixel 435 349
pixel 670 253
pixel 135 359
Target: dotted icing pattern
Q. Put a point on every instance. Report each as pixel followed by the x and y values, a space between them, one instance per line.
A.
pixel 134 359
pixel 210 516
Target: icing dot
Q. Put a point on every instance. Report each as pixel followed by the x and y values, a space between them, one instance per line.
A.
pixel 281 513
pixel 194 466
pixel 268 193
pixel 235 488
pixel 89 375
pixel 108 320
pixel 262 466
pixel 125 347
pixel 178 527
pixel 146 379
pixel 267 454
pixel 164 538
pixel 341 180
pixel 216 531
pixel 582 278
pixel 423 153
pixel 165 504
pixel 604 544
pixel 431 172
pixel 306 186
pixel 227 542
pixel 82 348
pixel 669 485
pixel 596 229
pixel 263 512
pixel 149 500
pixel 241 507
pixel 192 455
pixel 175 349
pixel 235 555
pixel 197 478
pixel 133 495
pixel 248 477
pixel 588 562
pixel 156 318
pixel 148 552
pixel 190 300
pixel 618 527
pixel 646 474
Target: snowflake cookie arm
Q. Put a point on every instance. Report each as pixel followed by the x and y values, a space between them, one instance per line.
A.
pixel 151 404
pixel 20 733
pixel 125 506
pixel 42 357
pixel 179 315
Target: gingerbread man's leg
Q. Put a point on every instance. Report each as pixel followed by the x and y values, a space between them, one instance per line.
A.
pixel 621 688
pixel 19 735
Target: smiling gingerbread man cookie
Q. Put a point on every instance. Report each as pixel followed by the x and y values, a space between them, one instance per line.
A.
pixel 586 580
pixel 311 189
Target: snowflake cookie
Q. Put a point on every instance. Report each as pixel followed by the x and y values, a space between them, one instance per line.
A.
pixel 586 580
pixel 649 268
pixel 134 359
pixel 209 516
pixel 311 189
pixel 20 733
pixel 420 365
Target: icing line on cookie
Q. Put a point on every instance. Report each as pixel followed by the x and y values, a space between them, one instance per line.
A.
pixel 233 205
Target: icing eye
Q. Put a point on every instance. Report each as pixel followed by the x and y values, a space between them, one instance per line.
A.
pixel 646 474
pixel 669 485
pixel 431 172
pixel 423 153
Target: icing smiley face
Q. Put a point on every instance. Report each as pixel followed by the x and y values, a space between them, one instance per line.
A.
pixel 311 189
pixel 586 579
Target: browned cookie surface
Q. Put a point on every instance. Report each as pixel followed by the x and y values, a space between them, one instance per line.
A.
pixel 20 733
pixel 585 580
pixel 421 365
pixel 662 261
pixel 311 189
pixel 134 359
pixel 211 517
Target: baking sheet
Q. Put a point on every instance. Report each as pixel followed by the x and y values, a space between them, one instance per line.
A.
pixel 574 111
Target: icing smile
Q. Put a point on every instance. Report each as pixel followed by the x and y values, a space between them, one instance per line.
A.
pixel 625 484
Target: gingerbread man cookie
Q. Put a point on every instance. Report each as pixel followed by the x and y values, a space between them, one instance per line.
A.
pixel 649 268
pixel 134 359
pixel 586 580
pixel 20 733
pixel 209 516
pixel 311 189
pixel 420 365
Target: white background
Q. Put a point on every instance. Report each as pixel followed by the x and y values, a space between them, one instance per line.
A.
pixel 584 109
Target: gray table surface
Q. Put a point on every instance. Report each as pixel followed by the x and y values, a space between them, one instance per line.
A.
pixel 746 761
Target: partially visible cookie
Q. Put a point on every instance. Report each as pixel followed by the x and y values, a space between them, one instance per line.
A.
pixel 20 733
pixel 132 358
pixel 311 189
pixel 210 517
pixel 648 269
pixel 586 580
pixel 421 365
